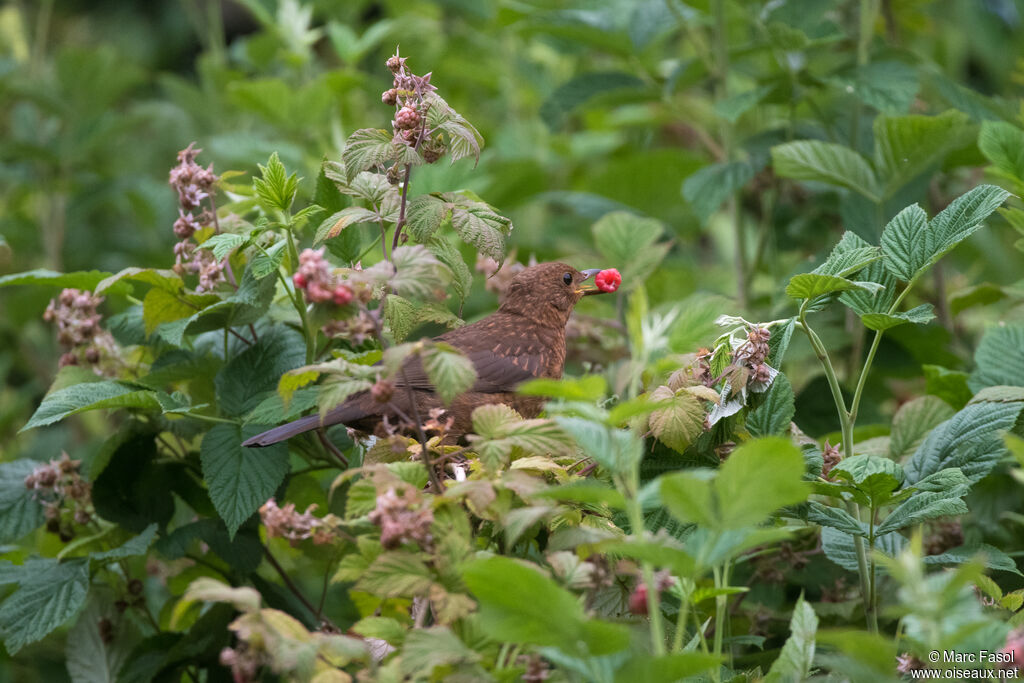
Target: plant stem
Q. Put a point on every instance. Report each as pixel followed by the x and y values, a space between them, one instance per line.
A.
pixel 872 602
pixel 310 335
pixel 684 610
pixel 867 12
pixel 401 211
pixel 636 523
pixel 289 584
pixel 720 604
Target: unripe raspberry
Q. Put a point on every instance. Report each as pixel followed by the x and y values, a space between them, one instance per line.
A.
pixel 342 295
pixel 759 334
pixel 433 150
pixel 299 280
pixel 407 118
pixel 608 280
pixel 389 97
pixel 638 600
pixel 395 63
pixel 392 175
pixel 410 135
pixel 762 373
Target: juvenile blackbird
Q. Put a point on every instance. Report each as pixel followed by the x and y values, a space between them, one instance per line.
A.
pixel 524 339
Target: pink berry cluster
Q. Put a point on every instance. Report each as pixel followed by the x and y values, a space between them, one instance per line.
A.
pixel 315 278
pixel 752 354
pixel 408 95
pixel 66 497
pixel 403 518
pixel 285 522
pixel 78 328
pixel 193 183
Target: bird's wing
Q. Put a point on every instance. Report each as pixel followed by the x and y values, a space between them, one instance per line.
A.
pixel 498 369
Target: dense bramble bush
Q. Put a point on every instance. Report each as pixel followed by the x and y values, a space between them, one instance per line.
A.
pixel 787 447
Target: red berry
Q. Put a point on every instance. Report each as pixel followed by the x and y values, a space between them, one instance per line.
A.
pixel 407 118
pixel 342 295
pixel 638 600
pixel 608 280
pixel 299 280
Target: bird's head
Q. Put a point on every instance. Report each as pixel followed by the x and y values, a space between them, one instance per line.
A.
pixel 547 292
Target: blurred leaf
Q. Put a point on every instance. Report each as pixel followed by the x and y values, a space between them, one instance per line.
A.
pixel 1003 145
pixel 20 512
pixel 994 558
pixel 906 146
pixel 732 108
pixel 449 370
pixel 86 280
pixel 418 273
pixel 919 315
pixel 47 596
pixel 581 88
pixel 827 163
pixel 949 385
pixel 586 388
pixel 666 668
pixel 425 649
pixel 912 423
pixel 709 187
pixel 797 656
pixel 999 358
pixel 133 547
pixel 888 86
pixel 94 655
pixel 396 574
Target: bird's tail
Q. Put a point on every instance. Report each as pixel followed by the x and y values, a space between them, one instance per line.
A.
pixel 285 431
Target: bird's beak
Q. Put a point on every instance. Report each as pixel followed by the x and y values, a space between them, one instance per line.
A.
pixel 588 289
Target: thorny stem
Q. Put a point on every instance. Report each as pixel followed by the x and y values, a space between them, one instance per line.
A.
pixel 307 332
pixel 290 585
pixel 401 211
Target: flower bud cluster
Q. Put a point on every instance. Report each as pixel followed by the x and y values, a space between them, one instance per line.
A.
pixel 287 523
pixel 315 278
pixel 752 354
pixel 831 456
pixel 66 497
pixel 245 663
pixel 403 517
pixel 78 328
pixel 408 95
pixel 193 183
pixel 356 329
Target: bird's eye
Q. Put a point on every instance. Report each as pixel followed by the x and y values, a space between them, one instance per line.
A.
pixel 567 278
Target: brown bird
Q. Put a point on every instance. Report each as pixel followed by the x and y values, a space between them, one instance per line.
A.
pixel 524 339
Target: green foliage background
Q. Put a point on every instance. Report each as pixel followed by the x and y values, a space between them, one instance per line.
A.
pixel 751 134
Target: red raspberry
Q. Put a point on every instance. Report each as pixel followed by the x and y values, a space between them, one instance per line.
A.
pixel 407 118
pixel 608 280
pixel 342 295
pixel 638 600
pixel 299 280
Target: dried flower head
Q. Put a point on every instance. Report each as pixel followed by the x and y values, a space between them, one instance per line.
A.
pixel 287 523
pixel 193 184
pixel 403 517
pixel 78 328
pixel 65 496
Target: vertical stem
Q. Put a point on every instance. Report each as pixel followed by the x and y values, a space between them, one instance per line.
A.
pixel 867 13
pixel 684 610
pixel 401 211
pixel 636 523
pixel 871 604
pixel 293 254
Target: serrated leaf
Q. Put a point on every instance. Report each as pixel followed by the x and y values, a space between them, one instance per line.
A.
pixel 888 86
pixel 999 358
pixel 615 450
pixel 418 273
pixel 833 517
pixel 825 162
pixel 998 394
pixel 839 547
pixel 848 257
pixel 95 655
pixel 275 189
pixel 47 596
pixel 907 146
pixel 426 649
pixel 630 242
pixel 813 285
pixel 403 316
pixel 374 188
pixel 462 278
pixel 164 279
pixel 875 476
pixel 681 422
pixel 223 244
pixel 776 411
pixel 479 226
pixel 965 215
pixel 1003 144
pixel 334 224
pixel 246 379
pixel 908 244
pixel 133 547
pixel 365 148
pixel 797 656
pixel 970 440
pixel 448 369
pixel 912 423
pixel 993 557
pixel 20 512
pixel 79 398
pixel 425 215
pixel 240 479
pixel 48 278
pixel 396 574
pixel 919 315
pixel 922 506
pixel 710 186
pixel 269 260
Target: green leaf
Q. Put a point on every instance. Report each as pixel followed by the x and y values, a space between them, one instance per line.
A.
pixel 383 628
pixel 449 370
pixel 918 315
pixel 47 596
pixel 403 316
pixel 680 562
pixel 48 278
pixel 969 440
pixel 922 506
pixel 912 423
pixel 877 477
pixel 732 108
pixel 581 88
pixel 396 574
pixel 773 416
pixel 518 604
pixel 710 186
pixel 242 384
pixel 462 278
pixel 20 512
pixel 133 547
pixel 614 449
pixel 993 557
pixel 96 655
pixel 813 285
pixel 263 264
pixel 725 499
pixel 586 491
pixel 999 358
pixel 965 215
pixel 425 215
pixel 681 421
pixel 797 656
pixel 80 398
pixel 418 273
pixel 998 394
pixel 365 148
pixel 949 385
pixel 426 649
pixel 223 244
pixel 161 306
pixel 586 388
pixel 163 279
pixel 908 244
pixel 622 238
pixel 907 146
pixel 861 301
pixel 849 256
pixel 833 517
pixel 888 86
pixel 1003 144
pixel 240 479
pixel 477 224
pixel 840 548
pixel 333 225
pixel 666 668
pixel 275 189
pixel 825 162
